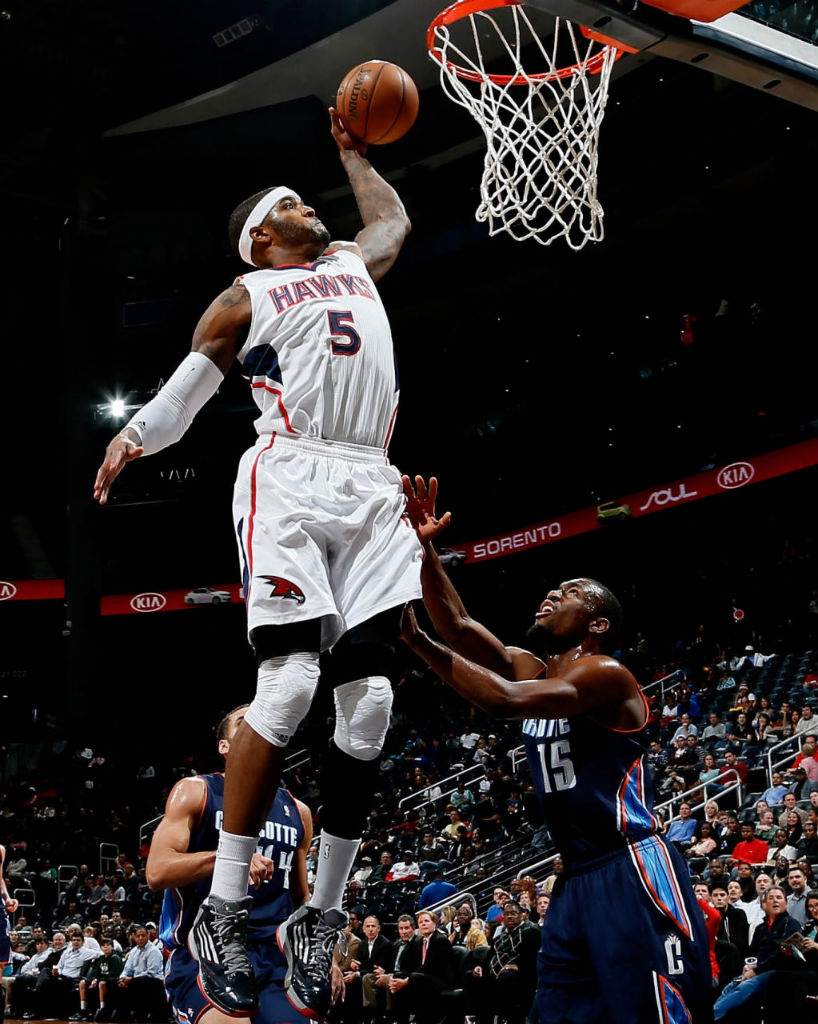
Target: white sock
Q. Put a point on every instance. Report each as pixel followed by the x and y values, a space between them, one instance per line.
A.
pixel 231 874
pixel 335 859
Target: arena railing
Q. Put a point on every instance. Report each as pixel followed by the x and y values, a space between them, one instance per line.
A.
pixel 66 873
pixel 792 744
pixel 108 854
pixel 665 683
pixel 458 776
pixel 26 900
pixel 296 759
pixel 457 898
pixel 687 796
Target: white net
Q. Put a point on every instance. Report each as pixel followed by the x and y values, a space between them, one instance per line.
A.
pixel 541 126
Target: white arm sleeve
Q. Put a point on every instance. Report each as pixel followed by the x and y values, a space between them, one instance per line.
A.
pixel 167 416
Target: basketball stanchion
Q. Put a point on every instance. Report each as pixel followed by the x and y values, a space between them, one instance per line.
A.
pixel 541 126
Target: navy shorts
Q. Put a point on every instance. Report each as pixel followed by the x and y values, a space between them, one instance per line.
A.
pixel 624 942
pixel 188 1002
pixel 5 944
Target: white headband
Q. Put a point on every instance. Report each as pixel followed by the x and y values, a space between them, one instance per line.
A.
pixel 256 217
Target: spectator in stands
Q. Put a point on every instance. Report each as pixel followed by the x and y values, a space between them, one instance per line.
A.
pixel 465 931
pixel 427 967
pixel 765 734
pixel 780 870
pixel 810 678
pixel 716 872
pixel 507 986
pixel 686 728
pixel 703 842
pixel 436 891
pixel 404 870
pixel 72 915
pixel 430 850
pixel 750 849
pixel 543 899
pixel 790 804
pixel 682 829
pixel 774 794
pixel 383 868
pixel 374 950
pixel 20 986
pixel 104 970
pixel 807 723
pixel 810 929
pixel 141 980
pixel 735 926
pixel 797 899
pixel 731 767
pixel 766 827
pixel 375 985
pixel 801 786
pixel 462 798
pixel 495 912
pixel 808 847
pixel 53 994
pixel 794 829
pixel 714 731
pixel 363 873
pixel 765 946
pixel 782 849
pixel 657 758
pixel 455 821
pixel 709 770
pixel 557 868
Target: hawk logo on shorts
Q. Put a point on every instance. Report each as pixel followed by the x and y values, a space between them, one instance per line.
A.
pixel 283 588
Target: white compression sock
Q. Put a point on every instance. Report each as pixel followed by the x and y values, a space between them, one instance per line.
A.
pixel 231 874
pixel 335 860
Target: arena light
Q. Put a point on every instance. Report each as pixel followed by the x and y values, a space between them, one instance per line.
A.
pixel 118 408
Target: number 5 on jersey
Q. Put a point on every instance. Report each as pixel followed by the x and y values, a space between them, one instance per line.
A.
pixel 340 325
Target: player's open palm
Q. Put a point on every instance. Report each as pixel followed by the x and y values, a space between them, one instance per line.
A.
pixel 420 507
pixel 118 454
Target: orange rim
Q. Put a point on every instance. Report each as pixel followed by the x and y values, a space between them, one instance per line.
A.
pixel 463 8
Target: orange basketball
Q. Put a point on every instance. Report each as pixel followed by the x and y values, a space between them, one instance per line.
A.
pixel 377 102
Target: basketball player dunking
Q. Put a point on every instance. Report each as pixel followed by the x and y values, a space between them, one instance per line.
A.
pixel 624 940
pixel 327 558
pixel 182 854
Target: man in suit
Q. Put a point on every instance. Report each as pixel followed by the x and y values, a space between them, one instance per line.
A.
pixel 375 985
pixel 428 966
pixel 507 986
pixel 374 950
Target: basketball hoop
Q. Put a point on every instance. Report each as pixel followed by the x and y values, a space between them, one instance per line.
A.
pixel 541 127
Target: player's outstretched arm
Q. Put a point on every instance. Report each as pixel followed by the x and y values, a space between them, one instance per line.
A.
pixel 385 222
pixel 216 341
pixel 593 684
pixel 443 603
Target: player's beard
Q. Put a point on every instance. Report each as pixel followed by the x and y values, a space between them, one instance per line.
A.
pixel 292 233
pixel 537 637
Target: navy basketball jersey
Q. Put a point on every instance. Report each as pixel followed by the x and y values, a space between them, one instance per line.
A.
pixel 281 836
pixel 592 783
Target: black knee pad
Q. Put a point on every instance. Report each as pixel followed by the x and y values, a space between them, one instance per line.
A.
pixel 367 649
pixel 347 788
pixel 288 638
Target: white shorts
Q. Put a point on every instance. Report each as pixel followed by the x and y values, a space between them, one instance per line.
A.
pixel 321 533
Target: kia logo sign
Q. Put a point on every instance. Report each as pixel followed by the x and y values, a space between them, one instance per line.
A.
pixel 737 474
pixel 7 590
pixel 148 602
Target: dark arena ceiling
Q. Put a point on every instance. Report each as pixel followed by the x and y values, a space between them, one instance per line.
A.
pixel 534 381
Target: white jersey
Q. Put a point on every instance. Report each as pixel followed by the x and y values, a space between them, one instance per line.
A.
pixel 319 353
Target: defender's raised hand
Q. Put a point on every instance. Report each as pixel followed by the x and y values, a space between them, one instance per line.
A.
pixel 420 507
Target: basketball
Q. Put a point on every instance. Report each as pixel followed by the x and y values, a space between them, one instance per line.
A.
pixel 377 102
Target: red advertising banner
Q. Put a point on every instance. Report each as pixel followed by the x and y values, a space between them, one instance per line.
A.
pixel 703 485
pixel 149 601
pixel 714 481
pixel 32 590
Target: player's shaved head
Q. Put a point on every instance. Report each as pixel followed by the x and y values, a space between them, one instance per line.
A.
pixel 223 727
pixel 602 601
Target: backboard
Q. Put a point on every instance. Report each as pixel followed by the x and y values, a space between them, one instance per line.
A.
pixel 770 45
